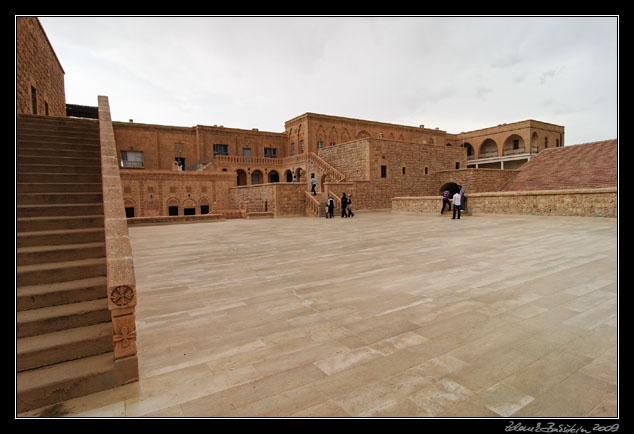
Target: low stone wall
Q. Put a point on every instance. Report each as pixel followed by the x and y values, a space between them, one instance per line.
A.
pixel 596 202
pixel 279 198
pixel 140 221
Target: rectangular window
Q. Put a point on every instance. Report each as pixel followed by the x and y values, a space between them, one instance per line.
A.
pixel 33 100
pixel 131 159
pixel 172 210
pixel 383 171
pixel 204 209
pixel 189 211
pixel 129 212
pixel 246 152
pixel 320 144
pixel 516 144
pixel 457 165
pixel 270 152
pixel 332 143
pixel 301 147
pixel 403 171
pixel 45 108
pixel 292 148
pixel 221 150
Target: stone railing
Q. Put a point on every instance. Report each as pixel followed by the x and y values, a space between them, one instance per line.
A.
pixel 335 174
pixel 121 283
pixel 312 204
pixel 336 199
pixel 248 160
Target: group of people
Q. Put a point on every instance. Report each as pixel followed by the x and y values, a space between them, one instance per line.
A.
pixel 459 199
pixel 346 207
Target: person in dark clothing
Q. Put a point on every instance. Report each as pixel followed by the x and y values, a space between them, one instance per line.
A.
pixel 331 207
pixel 349 210
pixel 445 201
pixel 344 205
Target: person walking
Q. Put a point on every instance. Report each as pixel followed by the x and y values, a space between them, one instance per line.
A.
pixel 350 213
pixel 331 207
pixel 445 201
pixel 344 204
pixel 456 205
pixel 313 181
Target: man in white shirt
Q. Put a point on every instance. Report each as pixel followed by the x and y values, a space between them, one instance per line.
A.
pixel 456 205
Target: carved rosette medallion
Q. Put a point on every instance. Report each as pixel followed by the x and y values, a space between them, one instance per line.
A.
pixel 125 337
pixel 122 295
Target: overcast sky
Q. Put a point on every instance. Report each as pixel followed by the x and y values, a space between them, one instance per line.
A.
pixel 454 73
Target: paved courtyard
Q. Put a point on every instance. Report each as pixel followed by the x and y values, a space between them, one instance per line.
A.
pixel 382 315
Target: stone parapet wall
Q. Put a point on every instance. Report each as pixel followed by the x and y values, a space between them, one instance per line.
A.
pixel 280 198
pixel 599 202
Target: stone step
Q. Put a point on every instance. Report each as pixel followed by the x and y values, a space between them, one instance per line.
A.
pixel 59 198
pixel 45 152
pixel 90 159
pixel 56 168
pixel 59 130
pixel 70 187
pixel 32 224
pixel 60 236
pixel 58 293
pixel 34 322
pixel 40 387
pixel 52 122
pixel 36 136
pixel 59 145
pixel 60 271
pixel 58 178
pixel 59 253
pixel 62 210
pixel 55 347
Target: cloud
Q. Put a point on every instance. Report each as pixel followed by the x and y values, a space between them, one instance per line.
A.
pixel 456 73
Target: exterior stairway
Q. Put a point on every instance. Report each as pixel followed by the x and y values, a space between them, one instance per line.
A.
pixel 63 325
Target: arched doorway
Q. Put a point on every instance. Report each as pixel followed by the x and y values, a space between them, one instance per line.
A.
pixel 241 177
pixel 289 176
pixel 451 186
pixel 470 151
pixel 273 176
pixel 298 174
pixel 513 145
pixel 488 149
pixel 256 177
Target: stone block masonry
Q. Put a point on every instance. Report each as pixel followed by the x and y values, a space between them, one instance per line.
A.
pixel 599 202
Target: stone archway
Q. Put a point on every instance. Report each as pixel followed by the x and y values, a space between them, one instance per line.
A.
pixel 241 177
pixel 288 175
pixel 451 186
pixel 488 149
pixel 274 176
pixel 256 177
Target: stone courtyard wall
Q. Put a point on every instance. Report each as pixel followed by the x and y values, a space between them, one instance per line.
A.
pixel 279 199
pixel 152 192
pixel 599 202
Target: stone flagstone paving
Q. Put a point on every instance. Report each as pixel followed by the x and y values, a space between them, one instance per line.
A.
pixel 382 315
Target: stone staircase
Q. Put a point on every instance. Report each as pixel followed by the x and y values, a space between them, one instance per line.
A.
pixel 63 325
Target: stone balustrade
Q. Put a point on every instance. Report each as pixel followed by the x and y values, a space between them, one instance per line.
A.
pixel 121 284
